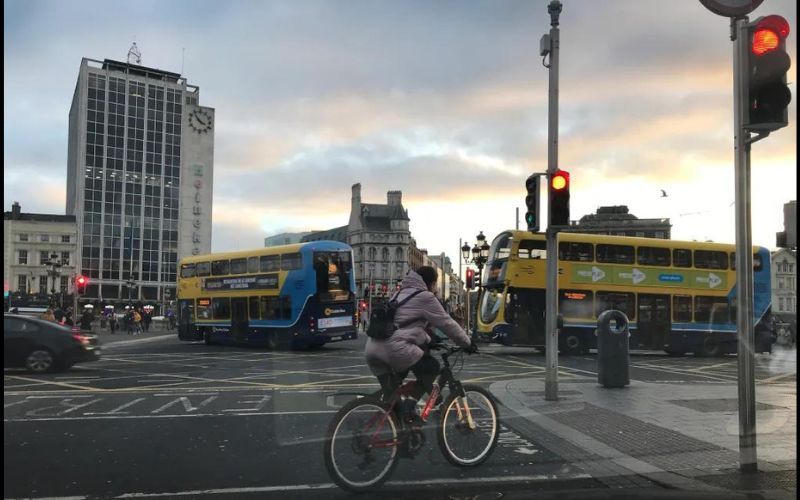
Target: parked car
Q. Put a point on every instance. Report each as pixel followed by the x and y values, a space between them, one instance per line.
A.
pixel 43 346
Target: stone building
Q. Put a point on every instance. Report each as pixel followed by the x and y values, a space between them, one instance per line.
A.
pixel 618 221
pixel 784 287
pixel 29 242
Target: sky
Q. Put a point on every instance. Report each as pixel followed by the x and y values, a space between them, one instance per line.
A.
pixel 446 101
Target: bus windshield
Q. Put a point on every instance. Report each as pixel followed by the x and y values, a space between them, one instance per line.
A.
pixel 498 260
pixel 332 275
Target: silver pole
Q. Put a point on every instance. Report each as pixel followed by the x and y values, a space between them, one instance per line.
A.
pixel 517 228
pixel 551 335
pixel 748 461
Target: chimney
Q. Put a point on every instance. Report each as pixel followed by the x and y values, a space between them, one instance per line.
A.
pixel 394 198
pixel 15 211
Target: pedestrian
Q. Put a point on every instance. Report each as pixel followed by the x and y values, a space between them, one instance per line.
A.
pixel 112 321
pixel 48 315
pixel 171 318
pixel 146 319
pixel 68 319
pixel 137 322
pixel 129 320
pixel 86 320
pixel 59 315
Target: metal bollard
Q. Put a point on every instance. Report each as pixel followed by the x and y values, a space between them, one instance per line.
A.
pixel 613 354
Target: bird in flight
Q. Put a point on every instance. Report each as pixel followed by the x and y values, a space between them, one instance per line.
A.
pixel 663 194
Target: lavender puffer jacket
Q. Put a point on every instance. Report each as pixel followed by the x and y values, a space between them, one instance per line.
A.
pixel 404 347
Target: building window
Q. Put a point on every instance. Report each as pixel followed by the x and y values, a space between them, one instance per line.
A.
pixel 660 234
pixel 64 238
pixel 22 284
pixel 65 258
pixel 64 285
pixel 44 257
pixel 23 257
pixel 780 304
pixel 781 284
pixel 640 234
pixel 45 238
pixel 43 284
pixel 23 237
pixel 791 268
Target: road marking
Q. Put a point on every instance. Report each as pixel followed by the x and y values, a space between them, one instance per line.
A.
pixel 329 486
pixel 709 367
pixel 193 415
pixel 776 378
pixel 52 382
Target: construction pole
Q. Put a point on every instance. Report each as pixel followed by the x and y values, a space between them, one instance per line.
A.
pixel 551 334
pixel 748 460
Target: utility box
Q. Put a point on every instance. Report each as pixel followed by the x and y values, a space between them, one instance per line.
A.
pixel 613 349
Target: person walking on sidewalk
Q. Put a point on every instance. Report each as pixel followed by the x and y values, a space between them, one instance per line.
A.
pixel 112 322
pixel 147 317
pixel 86 320
pixel 137 322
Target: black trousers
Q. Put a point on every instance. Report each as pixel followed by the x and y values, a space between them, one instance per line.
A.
pixel 425 370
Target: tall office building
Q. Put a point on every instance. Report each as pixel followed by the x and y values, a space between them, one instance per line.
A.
pixel 139 178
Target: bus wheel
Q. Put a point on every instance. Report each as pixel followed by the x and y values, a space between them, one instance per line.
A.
pixel 710 347
pixel 273 343
pixel 572 344
pixel 207 337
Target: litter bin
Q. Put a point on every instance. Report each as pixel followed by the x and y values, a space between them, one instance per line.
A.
pixel 613 355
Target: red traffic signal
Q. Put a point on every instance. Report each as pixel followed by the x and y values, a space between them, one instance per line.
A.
pixel 470 284
pixel 80 284
pixel 767 64
pixel 768 34
pixel 559 181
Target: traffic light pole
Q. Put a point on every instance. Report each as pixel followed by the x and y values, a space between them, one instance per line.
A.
pixel 551 334
pixel 748 461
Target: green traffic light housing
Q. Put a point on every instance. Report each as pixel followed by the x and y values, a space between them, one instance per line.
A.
pixel 532 202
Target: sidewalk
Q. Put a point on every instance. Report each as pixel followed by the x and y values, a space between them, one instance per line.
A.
pixel 682 436
pixel 121 337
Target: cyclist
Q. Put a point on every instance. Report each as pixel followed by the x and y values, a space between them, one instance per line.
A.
pixel 407 349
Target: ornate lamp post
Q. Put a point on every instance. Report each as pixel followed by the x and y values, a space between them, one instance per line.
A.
pixel 54 272
pixel 478 255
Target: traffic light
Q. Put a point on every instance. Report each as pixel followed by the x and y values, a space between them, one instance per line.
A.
pixel 470 284
pixel 768 95
pixel 80 284
pixel 532 202
pixel 477 278
pixel 558 186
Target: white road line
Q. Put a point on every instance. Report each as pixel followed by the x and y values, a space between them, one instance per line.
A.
pixel 128 417
pixel 328 486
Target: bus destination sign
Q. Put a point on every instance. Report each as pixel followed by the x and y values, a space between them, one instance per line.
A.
pixel 257 282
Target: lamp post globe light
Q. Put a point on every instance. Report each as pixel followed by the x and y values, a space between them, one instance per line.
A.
pixel 477 255
pixel 54 272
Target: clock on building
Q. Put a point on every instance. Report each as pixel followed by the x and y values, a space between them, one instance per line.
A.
pixel 200 121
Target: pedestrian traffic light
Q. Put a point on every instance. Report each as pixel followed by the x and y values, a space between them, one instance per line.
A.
pixel 532 202
pixel 768 95
pixel 80 284
pixel 470 284
pixel 477 278
pixel 559 198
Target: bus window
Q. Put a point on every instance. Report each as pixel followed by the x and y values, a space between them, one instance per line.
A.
pixel 221 307
pixel 500 247
pixel 575 303
pixel 709 259
pixel 708 308
pixel 682 308
pixel 269 263
pixel 204 308
pixel 490 304
pixel 220 267
pixel 532 249
pixel 615 254
pixel 286 306
pixel 625 302
pixel 204 269
pixel 291 261
pixel 238 266
pixel 188 270
pixel 252 265
pixel 682 257
pixel 580 252
pixel 331 276
pixel 269 308
pixel 652 256
pixel 757 265
pixel 253 306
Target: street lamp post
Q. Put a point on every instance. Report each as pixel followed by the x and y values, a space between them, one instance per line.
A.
pixel 479 256
pixel 130 284
pixel 54 272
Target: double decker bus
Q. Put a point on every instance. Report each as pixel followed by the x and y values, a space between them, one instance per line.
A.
pixel 679 296
pixel 290 296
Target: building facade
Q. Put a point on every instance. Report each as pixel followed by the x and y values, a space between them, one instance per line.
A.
pixel 284 239
pixel 617 221
pixel 139 178
pixel 30 241
pixel 784 287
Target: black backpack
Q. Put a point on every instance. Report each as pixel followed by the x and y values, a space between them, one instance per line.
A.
pixel 381 320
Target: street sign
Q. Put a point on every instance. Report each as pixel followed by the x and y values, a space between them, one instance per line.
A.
pixel 731 8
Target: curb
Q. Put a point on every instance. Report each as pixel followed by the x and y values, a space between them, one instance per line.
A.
pixel 121 343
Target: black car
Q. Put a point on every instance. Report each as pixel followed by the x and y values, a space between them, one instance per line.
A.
pixel 43 346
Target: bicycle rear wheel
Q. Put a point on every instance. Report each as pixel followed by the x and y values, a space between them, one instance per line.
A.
pixel 361 445
pixel 461 444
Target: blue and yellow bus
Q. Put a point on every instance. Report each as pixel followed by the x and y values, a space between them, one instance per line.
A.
pixel 679 296
pixel 296 296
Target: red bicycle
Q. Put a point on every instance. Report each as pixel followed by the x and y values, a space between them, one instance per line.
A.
pixel 367 437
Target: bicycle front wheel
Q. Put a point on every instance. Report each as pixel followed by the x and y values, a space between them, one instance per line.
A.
pixel 469 427
pixel 361 445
